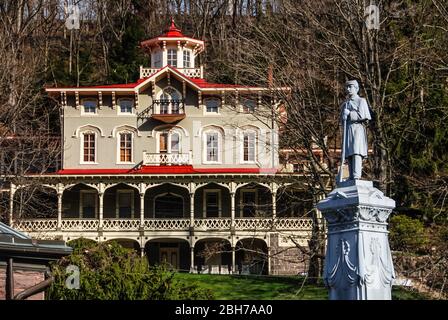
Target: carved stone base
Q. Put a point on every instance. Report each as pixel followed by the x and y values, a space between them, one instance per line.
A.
pixel 358 263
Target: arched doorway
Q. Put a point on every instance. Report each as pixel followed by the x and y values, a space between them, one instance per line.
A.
pixel 213 256
pixel 172 253
pixel 251 256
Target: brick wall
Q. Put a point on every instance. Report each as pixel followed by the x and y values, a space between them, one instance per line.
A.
pixel 23 279
pixel 286 260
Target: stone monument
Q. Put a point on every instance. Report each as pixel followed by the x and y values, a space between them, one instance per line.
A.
pixel 358 262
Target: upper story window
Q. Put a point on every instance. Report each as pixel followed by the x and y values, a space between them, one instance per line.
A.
pixel 187 59
pixel 89 106
pixel 249 146
pixel 212 105
pixel 169 142
pixel 125 147
pixel 249 105
pixel 212 146
pixel 158 60
pixel 125 106
pixel 175 142
pixel 172 57
pixel 89 147
pixel 170 101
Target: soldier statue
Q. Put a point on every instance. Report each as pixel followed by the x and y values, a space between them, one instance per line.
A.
pixel 354 115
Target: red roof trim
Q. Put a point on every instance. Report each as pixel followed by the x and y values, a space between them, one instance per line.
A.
pixel 201 83
pixel 163 170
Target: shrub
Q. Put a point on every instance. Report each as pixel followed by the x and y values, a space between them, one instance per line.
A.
pixel 407 234
pixel 110 272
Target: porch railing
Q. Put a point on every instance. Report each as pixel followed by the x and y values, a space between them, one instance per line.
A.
pixel 221 224
pixel 212 224
pixel 189 72
pixel 166 159
pixel 167 224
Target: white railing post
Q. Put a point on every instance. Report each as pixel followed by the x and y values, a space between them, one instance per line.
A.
pixel 100 209
pixel 59 225
pixel 202 72
pixel 192 210
pixel 274 205
pixel 12 191
pixel 232 210
pixel 142 210
pixel 192 258
pixel 233 261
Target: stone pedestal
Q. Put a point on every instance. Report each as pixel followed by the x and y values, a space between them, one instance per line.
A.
pixel 358 263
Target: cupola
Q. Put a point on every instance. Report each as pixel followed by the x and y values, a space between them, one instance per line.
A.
pixel 175 49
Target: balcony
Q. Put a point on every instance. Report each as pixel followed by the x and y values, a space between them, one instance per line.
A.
pixel 166 159
pixel 166 111
pixel 189 72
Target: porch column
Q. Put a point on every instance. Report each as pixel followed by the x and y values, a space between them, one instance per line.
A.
pixel 192 258
pixel 59 210
pixel 274 205
pixel 191 210
pixel 269 260
pixel 142 210
pixel 9 283
pixel 12 191
pixel 100 209
pixel 232 210
pixel 234 271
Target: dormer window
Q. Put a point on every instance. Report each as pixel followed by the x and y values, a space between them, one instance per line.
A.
pixel 89 106
pixel 126 106
pixel 249 106
pixel 212 106
pixel 172 57
pixel 187 59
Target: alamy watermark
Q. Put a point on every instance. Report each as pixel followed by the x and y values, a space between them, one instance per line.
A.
pixel 372 15
pixel 72 281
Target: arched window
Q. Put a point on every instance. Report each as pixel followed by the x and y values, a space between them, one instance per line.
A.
pixel 125 142
pixel 169 142
pixel 249 146
pixel 88 147
pixel 175 142
pixel 212 141
pixel 170 101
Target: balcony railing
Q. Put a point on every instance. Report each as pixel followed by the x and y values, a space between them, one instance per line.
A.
pixel 164 110
pixel 220 224
pixel 189 72
pixel 161 159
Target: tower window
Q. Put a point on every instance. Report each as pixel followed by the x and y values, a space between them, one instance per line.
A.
pixel 187 59
pixel 172 57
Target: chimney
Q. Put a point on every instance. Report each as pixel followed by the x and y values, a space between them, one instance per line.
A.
pixel 270 76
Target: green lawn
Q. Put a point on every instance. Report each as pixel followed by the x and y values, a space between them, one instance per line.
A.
pixel 227 287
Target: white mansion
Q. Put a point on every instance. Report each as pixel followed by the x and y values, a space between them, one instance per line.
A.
pixel 171 165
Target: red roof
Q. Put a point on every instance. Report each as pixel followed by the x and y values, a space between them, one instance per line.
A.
pixel 173 32
pixel 163 170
